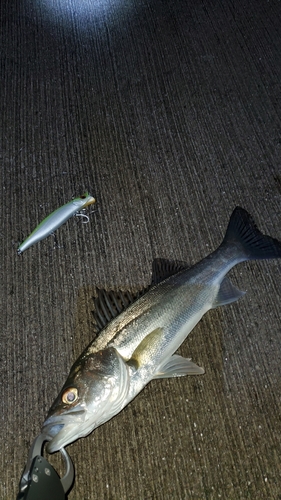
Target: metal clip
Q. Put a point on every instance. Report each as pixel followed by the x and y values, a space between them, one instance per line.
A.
pixel 39 480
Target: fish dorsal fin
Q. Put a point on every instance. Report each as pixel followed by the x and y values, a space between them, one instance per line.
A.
pixel 163 268
pixel 109 304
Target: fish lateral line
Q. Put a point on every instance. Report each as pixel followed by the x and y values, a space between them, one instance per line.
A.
pixel 108 304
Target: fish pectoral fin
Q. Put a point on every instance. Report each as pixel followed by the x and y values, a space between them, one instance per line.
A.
pixel 147 349
pixel 177 366
pixel 227 293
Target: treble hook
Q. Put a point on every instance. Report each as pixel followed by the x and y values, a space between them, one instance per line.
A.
pixel 79 214
pixel 85 216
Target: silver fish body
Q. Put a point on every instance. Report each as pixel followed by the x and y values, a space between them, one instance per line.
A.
pixel 139 344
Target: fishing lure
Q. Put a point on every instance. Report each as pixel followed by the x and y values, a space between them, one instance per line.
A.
pixel 55 220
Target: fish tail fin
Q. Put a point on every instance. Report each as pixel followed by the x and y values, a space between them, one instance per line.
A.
pixel 251 243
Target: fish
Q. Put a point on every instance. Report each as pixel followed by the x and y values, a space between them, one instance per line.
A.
pixel 139 342
pixel 54 220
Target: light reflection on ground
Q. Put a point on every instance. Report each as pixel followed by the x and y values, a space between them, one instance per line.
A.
pixel 81 12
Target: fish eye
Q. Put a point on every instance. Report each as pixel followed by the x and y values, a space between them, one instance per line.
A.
pixel 83 197
pixel 69 395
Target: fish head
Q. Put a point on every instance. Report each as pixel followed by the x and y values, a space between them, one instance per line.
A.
pixel 95 391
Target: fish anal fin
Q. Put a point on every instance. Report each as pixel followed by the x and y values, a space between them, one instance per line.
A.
pixel 227 293
pixel 177 366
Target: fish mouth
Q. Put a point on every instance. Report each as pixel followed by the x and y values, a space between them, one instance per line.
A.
pixel 62 436
pixel 60 431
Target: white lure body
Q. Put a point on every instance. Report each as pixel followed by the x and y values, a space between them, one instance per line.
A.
pixel 55 220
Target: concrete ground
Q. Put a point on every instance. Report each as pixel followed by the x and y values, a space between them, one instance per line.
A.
pixel 168 111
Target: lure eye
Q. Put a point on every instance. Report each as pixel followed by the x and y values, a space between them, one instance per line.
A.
pixel 70 395
pixel 83 197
